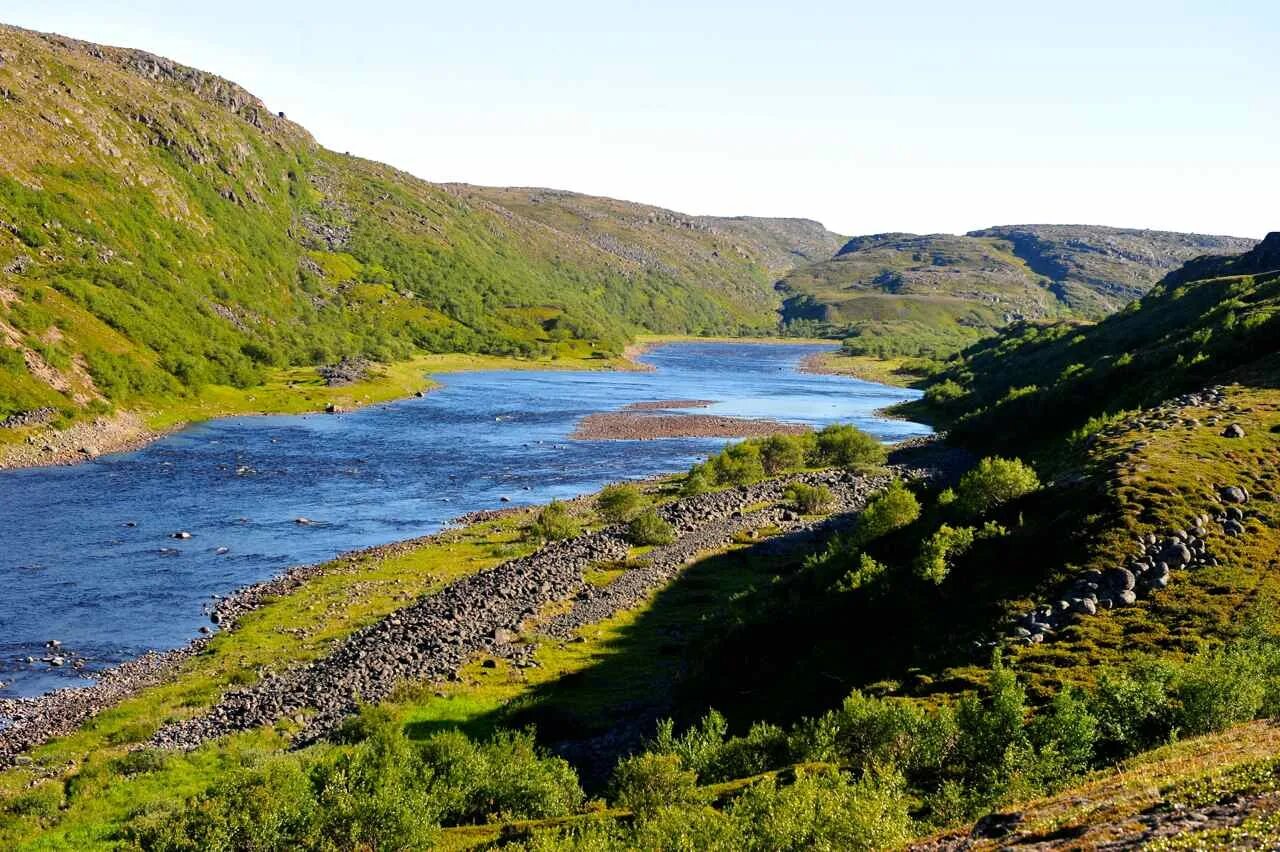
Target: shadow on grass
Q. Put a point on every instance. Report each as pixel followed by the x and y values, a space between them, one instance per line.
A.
pixel 748 633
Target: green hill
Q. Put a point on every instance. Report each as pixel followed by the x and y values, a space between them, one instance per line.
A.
pixel 162 230
pixel 907 294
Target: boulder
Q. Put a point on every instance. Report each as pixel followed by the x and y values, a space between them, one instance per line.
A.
pixel 1233 494
pixel 1235 430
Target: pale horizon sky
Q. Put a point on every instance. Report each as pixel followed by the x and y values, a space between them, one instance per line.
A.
pixel 923 117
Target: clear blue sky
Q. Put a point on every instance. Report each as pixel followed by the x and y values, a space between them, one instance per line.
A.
pixel 870 117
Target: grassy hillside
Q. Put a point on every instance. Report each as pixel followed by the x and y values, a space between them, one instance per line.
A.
pixel 161 230
pixel 860 699
pixel 906 294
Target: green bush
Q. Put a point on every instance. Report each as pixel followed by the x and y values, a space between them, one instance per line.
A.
pixel 697 481
pixel 738 464
pixel 554 522
pixel 506 777
pixel 782 453
pixel 620 502
pixel 892 509
pixel 937 552
pixel 993 482
pixel 809 499
pixel 825 810
pixel 646 782
pixel 650 528
pixel 869 574
pixel 841 445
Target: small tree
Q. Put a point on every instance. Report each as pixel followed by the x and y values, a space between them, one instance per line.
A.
pixel 993 482
pixel 649 528
pixel 810 499
pixel 620 502
pixel 841 445
pixel 553 523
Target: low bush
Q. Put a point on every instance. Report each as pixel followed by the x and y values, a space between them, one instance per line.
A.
pixel 841 445
pixel 809 499
pixel 782 453
pixel 650 528
pixel 554 522
pixel 646 782
pixel 620 502
pixel 993 482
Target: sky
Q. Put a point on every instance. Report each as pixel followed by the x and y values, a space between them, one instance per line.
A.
pixel 869 117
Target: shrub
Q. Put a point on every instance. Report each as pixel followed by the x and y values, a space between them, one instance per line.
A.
pixel 841 445
pixel 1065 735
pixel 738 464
pixel 936 553
pixel 868 574
pixel 554 522
pixel 892 509
pixel 507 777
pixel 620 502
pixel 697 481
pixel 650 528
pixel 993 482
pixel 825 810
pixel 1133 709
pixel 781 453
pixel 646 782
pixel 809 499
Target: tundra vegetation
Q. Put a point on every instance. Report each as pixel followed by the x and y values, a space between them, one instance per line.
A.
pixel 1003 642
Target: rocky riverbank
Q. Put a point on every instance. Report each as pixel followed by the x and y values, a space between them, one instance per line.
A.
pixel 486 612
pixel 88 439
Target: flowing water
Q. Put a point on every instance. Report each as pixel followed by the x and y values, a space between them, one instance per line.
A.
pixel 86 553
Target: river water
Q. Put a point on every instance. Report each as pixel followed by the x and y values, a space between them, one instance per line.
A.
pixel 86 554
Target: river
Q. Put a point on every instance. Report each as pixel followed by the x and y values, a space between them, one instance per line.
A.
pixel 87 555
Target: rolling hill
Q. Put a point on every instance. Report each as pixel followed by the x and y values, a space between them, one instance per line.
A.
pixel 908 294
pixel 162 230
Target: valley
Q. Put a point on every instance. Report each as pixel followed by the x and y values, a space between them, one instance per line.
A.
pixel 586 524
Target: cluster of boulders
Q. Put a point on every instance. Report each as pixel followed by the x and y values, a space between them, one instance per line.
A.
pixel 347 371
pixel 1158 555
pixel 34 417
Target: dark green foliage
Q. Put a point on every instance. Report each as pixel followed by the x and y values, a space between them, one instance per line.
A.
pixel 620 502
pixel 650 528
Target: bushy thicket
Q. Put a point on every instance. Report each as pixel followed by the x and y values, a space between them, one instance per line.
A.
pixel 809 499
pixel 382 792
pixel 837 445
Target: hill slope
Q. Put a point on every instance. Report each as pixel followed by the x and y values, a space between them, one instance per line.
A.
pixel 914 294
pixel 161 230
